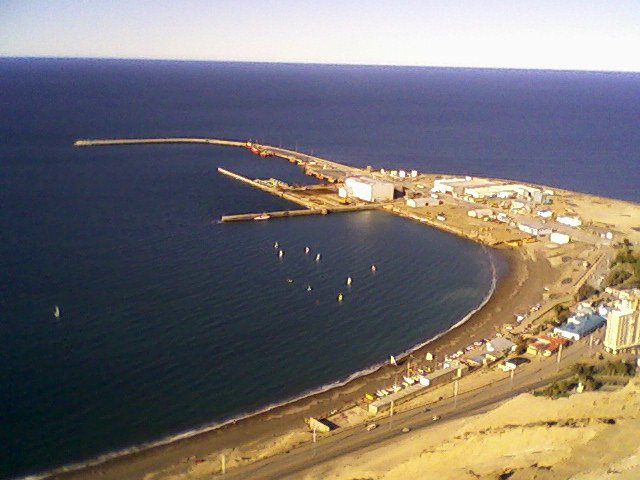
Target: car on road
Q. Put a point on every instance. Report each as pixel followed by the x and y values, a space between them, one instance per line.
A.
pixel 371 426
pixel 435 418
pixel 406 430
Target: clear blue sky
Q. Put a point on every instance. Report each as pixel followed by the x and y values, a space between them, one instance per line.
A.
pixel 559 34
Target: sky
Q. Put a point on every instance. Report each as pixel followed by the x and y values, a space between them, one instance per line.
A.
pixel 558 34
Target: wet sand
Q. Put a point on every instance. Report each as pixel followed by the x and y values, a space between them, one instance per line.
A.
pixel 283 427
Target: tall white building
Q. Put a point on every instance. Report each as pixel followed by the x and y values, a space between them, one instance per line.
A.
pixel 367 188
pixel 623 326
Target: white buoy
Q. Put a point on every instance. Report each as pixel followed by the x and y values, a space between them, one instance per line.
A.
pixel 306 249
pixel 349 281
pixel 280 253
pixel 317 257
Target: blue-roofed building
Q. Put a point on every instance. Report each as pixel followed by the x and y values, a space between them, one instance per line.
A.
pixel 577 326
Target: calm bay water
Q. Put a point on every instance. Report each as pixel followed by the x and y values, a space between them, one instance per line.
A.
pixel 171 321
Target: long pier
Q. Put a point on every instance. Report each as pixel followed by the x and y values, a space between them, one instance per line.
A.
pixel 146 141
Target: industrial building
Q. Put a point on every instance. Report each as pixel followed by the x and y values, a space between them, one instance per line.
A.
pixel 480 213
pixel 367 189
pixel 534 228
pixel 623 326
pixel 481 188
pixel 578 326
pixel 559 238
pixel 422 202
pixel 570 221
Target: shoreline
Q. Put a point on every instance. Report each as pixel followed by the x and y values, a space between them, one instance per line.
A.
pixel 282 419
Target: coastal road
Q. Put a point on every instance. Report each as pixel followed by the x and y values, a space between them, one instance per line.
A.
pixel 291 465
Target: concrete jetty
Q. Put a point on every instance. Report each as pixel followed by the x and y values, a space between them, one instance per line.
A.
pixel 267 215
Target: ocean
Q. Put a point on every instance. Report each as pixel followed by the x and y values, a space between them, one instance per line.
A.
pixel 170 321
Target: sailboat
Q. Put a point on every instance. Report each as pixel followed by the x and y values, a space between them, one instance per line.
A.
pixel 56 312
pixel 317 257
pixel 349 281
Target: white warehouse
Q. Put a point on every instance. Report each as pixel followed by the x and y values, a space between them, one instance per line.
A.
pixel 367 188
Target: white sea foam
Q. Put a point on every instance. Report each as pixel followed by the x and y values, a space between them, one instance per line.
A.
pixel 324 388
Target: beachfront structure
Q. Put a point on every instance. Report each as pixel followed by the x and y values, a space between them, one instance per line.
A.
pixel 559 238
pixel 480 213
pixel 435 378
pixel 578 326
pixel 534 228
pixel 571 221
pixel 623 326
pixel 421 202
pixel 546 345
pixel 367 189
pixel 500 346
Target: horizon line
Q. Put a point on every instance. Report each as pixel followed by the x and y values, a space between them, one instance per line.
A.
pixel 329 64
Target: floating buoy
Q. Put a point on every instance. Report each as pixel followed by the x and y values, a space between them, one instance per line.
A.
pixel 340 297
pixel 317 257
pixel 276 245
pixel 280 253
pixel 373 268
pixel 306 249
pixel 349 281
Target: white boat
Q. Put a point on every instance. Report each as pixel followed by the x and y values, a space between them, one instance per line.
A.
pixel 276 245
pixel 309 288
pixel 373 268
pixel 340 297
pixel 306 249
pixel 56 312
pixel 281 253
pixel 317 257
pixel 349 281
pixel 264 216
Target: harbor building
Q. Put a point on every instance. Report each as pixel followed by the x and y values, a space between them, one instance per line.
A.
pixel 367 189
pixel 418 202
pixel 623 326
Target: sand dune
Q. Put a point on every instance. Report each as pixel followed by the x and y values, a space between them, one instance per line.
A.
pixel 590 436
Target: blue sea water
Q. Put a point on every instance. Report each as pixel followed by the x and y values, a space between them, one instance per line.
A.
pixel 171 321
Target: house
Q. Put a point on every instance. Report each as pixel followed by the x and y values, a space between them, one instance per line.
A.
pixel 546 345
pixel 500 346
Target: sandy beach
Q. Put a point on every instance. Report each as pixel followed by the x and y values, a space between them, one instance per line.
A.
pixel 282 428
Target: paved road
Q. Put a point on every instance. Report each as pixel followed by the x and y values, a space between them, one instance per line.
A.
pixel 291 465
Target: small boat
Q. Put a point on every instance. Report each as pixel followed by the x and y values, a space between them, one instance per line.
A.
pixel 276 245
pixel 317 257
pixel 306 249
pixel 309 288
pixel 280 253
pixel 441 216
pixel 289 280
pixel 264 216
pixel 373 268
pixel 56 312
pixel 340 297
pixel 392 360
pixel 349 281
